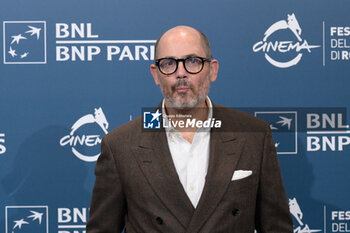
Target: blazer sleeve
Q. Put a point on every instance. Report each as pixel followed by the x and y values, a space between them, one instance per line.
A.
pixel 272 210
pixel 108 205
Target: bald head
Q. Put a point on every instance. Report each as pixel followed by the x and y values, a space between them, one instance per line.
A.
pixel 182 32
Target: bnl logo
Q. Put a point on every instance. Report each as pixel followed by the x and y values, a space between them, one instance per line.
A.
pixel 24 42
pixel 283 125
pixel 27 219
pixel 151 120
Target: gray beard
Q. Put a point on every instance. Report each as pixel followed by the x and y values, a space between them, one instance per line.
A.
pixel 183 106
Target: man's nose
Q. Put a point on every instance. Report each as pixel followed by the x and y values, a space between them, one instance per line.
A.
pixel 181 71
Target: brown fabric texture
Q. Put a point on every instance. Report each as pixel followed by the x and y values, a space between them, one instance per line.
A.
pixel 137 187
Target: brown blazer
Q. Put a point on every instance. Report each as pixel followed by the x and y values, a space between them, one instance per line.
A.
pixel 137 186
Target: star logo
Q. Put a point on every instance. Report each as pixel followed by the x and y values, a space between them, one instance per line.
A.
pixel 156 115
pixel 24 42
pixel 36 215
pixel 283 125
pixel 285 121
pixel 19 223
pixel 34 31
pixel 272 127
pixel 17 38
pixel 12 52
pixel 26 219
pixel 151 120
pixel 24 55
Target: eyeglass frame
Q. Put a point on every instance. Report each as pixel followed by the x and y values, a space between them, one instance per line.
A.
pixel 203 59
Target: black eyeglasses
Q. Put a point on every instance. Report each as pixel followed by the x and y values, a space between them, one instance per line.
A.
pixel 192 65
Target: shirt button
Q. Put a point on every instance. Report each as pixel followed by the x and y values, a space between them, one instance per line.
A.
pixel 159 220
pixel 191 155
pixel 235 212
pixel 191 188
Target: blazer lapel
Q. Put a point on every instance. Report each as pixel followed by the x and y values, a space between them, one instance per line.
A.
pixel 154 158
pixel 225 151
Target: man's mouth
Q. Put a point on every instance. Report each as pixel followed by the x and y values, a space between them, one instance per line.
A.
pixel 182 89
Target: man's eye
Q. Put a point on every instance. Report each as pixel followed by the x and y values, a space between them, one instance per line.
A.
pixel 193 60
pixel 168 63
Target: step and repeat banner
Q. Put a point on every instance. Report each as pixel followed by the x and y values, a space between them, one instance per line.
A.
pixel 71 71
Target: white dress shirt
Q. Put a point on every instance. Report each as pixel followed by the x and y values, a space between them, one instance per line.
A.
pixel 190 159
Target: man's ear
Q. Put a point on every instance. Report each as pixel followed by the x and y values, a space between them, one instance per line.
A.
pixel 214 68
pixel 154 73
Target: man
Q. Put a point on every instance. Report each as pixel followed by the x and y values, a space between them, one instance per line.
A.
pixel 196 179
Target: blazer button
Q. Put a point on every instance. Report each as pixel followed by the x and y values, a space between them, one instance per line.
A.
pixel 159 220
pixel 235 212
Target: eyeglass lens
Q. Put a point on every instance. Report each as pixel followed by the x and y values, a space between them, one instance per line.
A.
pixel 192 64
